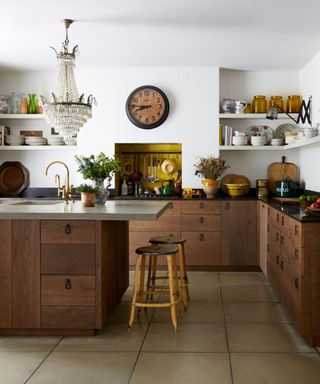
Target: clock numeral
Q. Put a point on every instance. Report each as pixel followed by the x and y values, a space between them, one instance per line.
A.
pixel 140 94
pixel 146 120
pixel 146 93
pixel 158 113
pixel 135 113
pixel 160 106
pixel 135 100
pixel 153 118
pixel 158 99
pixel 140 117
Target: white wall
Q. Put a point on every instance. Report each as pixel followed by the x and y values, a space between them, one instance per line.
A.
pixel 310 156
pixel 193 118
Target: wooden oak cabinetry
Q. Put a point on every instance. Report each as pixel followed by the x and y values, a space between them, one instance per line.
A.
pixel 239 233
pixel 218 233
pixel 201 227
pixel 262 222
pixel 58 276
pixel 294 270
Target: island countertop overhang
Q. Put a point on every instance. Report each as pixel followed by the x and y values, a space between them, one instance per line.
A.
pixel 112 211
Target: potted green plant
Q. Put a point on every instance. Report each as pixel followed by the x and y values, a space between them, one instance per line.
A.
pixel 88 194
pixel 100 169
pixel 210 169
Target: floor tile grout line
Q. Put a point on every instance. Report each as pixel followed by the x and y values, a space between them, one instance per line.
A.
pixel 225 327
pixel 44 360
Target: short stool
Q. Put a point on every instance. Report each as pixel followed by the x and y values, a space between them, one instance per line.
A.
pixel 183 279
pixel 140 295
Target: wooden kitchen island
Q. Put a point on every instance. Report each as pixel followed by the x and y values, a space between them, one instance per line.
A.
pixel 63 268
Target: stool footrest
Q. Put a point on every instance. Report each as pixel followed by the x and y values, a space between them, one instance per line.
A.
pixel 156 305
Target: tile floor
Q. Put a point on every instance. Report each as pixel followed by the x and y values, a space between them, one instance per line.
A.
pixel 234 332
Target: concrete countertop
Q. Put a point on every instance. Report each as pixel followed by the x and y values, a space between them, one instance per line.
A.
pixel 57 210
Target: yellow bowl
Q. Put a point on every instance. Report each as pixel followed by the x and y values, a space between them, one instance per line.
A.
pixel 237 190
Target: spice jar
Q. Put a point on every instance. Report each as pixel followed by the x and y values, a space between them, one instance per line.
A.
pixel 294 103
pixel 259 104
pixel 277 101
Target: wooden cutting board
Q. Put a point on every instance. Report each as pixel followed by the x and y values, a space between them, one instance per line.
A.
pixel 279 171
pixel 287 200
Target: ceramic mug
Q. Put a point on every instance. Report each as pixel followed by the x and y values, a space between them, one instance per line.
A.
pixel 240 106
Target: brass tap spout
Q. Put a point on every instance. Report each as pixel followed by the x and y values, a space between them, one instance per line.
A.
pixel 66 190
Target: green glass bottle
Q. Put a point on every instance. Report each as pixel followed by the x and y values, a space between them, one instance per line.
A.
pixel 33 104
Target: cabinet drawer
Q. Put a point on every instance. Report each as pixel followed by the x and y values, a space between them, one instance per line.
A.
pixel 67 290
pixel 68 259
pixel 201 223
pixel 274 238
pixel 203 256
pixel 64 232
pixel 199 240
pixel 166 223
pixel 68 317
pixel 200 207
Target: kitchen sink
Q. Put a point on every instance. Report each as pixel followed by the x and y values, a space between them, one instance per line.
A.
pixel 38 202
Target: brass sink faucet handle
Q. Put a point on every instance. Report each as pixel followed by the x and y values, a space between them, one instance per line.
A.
pixel 66 190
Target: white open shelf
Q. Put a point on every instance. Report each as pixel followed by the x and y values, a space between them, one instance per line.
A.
pixel 22 116
pixel 300 143
pixel 281 116
pixel 37 147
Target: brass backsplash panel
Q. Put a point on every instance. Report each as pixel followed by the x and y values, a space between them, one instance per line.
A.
pixel 147 160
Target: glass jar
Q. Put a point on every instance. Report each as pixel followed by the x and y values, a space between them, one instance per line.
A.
pixel 294 103
pixel 15 102
pixel 278 101
pixel 259 104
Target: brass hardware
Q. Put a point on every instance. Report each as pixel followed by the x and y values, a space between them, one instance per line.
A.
pixel 282 220
pixel 296 283
pixel 278 258
pixel 277 217
pixel 281 239
pixel 201 237
pixel 201 220
pixel 268 247
pixel 68 284
pixel 66 190
pixel 277 236
pixel 201 205
pixel 67 229
pixel 296 230
pixel 296 254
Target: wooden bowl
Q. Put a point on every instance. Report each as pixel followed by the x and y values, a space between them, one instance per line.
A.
pixel 237 190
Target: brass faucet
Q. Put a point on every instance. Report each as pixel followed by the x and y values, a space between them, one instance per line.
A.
pixel 66 190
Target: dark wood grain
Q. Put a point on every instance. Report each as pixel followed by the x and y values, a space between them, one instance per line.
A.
pixel 5 274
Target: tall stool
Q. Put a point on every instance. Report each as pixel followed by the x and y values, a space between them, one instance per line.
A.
pixel 154 251
pixel 183 279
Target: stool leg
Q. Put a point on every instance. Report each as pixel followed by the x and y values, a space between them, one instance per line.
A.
pixel 149 278
pixel 172 292
pixel 135 290
pixel 154 273
pixel 142 272
pixel 182 275
pixel 186 281
pixel 177 286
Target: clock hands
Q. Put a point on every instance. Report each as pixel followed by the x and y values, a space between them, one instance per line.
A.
pixel 140 107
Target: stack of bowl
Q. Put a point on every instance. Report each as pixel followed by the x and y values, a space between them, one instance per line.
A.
pixel 240 140
pixel 258 140
pixel 237 190
pixel 277 141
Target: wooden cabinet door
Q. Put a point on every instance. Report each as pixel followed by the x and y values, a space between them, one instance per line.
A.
pixel 239 233
pixel 263 231
pixel 26 273
pixel 5 274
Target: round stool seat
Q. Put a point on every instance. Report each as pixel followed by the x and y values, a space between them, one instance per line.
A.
pixel 167 240
pixel 152 250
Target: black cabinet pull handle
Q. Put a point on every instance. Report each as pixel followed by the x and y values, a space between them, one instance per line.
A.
pixel 296 254
pixel 296 283
pixel 281 265
pixel 281 239
pixel 277 259
pixel 68 284
pixel 296 230
pixel 67 229
pixel 277 236
pixel 201 220
pixel 282 220
pixel 201 237
pixel 277 217
pixel 201 205
pixel 268 247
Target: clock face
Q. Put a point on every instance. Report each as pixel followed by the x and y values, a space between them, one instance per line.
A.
pixel 147 107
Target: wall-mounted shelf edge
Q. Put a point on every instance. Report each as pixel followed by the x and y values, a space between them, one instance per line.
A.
pixel 281 116
pixel 37 147
pixel 9 116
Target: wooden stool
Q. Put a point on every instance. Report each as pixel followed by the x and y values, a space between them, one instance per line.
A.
pixel 183 279
pixel 138 289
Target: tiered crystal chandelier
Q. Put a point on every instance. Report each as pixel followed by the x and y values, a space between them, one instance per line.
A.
pixel 67 112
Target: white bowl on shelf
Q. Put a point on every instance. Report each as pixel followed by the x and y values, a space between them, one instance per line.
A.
pixel 258 140
pixel 240 140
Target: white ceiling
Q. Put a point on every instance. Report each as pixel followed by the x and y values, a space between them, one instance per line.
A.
pixel 243 34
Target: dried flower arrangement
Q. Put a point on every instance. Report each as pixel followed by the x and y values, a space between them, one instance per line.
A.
pixel 210 167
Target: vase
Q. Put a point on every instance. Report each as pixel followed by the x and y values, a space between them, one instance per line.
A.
pixel 103 193
pixel 88 199
pixel 210 187
pixel 33 104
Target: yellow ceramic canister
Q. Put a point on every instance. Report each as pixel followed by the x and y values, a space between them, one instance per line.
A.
pixel 259 104
pixel 278 101
pixel 294 103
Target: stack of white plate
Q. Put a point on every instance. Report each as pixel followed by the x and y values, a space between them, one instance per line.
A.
pixel 240 140
pixel 55 140
pixel 277 141
pixel 258 140
pixel 14 140
pixel 35 140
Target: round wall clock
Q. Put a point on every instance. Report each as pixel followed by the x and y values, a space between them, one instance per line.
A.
pixel 147 107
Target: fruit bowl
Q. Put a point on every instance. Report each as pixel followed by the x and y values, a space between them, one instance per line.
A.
pixel 314 211
pixel 237 190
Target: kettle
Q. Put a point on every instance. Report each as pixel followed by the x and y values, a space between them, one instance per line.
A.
pixel 287 187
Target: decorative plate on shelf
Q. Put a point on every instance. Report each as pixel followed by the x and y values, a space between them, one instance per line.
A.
pixel 260 130
pixel 283 128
